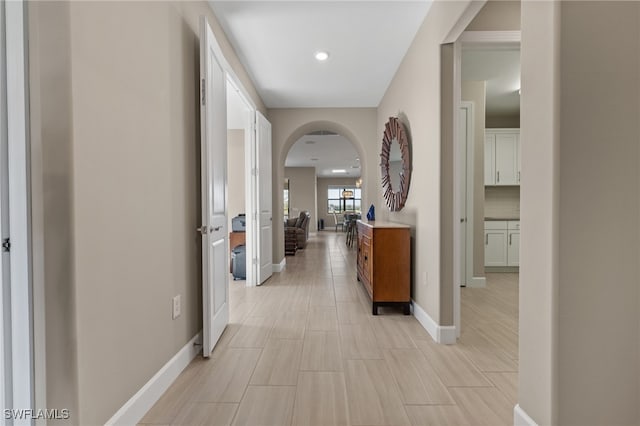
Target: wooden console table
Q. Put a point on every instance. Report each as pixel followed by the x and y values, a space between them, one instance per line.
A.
pixel 384 263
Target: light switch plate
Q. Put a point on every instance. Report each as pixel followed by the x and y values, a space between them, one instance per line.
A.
pixel 176 307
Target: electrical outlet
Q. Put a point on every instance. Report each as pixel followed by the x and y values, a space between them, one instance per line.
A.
pixel 176 307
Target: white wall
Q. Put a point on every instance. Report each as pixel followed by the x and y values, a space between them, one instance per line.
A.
pixel 235 174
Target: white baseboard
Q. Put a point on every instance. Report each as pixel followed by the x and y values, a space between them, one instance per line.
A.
pixel 445 334
pixel 520 418
pixel 134 409
pixel 279 267
pixel 478 282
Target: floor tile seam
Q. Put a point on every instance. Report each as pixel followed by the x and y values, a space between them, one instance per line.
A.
pixel 442 379
pixel 247 385
pixel 430 405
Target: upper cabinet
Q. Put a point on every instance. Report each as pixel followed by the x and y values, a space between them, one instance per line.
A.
pixel 502 157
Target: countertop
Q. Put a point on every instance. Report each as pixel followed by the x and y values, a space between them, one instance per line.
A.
pixel 381 224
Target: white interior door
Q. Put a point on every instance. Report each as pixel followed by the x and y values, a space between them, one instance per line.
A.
pixel 18 329
pixel 213 152
pixel 264 185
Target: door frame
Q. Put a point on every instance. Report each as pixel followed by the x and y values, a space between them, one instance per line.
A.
pixel 250 153
pixel 469 40
pixel 465 179
pixel 22 322
pixel 250 189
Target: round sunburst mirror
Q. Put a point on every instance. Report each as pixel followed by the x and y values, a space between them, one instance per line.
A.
pixel 395 165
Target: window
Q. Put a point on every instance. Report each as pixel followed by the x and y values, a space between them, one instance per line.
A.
pixel 341 199
pixel 286 199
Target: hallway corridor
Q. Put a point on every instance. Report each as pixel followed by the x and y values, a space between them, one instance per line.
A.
pixel 304 349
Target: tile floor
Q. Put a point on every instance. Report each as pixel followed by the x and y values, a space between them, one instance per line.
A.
pixel 303 349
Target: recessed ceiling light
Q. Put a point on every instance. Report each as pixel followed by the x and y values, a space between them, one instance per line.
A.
pixel 338 171
pixel 322 56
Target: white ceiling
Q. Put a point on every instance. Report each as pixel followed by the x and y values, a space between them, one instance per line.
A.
pixel 276 42
pixel 331 152
pixel 501 70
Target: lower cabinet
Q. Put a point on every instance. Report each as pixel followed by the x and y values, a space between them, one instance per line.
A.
pixel 502 243
pixel 384 263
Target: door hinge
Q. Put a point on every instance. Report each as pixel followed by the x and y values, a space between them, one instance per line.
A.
pixel 255 260
pixel 254 171
pixel 203 92
pixel 6 245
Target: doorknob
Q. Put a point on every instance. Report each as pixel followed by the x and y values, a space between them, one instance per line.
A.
pixel 203 230
pixel 217 228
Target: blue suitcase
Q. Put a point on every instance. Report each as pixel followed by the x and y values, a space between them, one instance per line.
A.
pixel 239 262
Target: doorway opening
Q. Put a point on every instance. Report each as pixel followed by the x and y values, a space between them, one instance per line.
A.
pixel 486 83
pixel 239 187
pixel 323 174
pixel 488 176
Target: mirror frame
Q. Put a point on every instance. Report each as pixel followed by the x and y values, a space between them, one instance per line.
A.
pixel 394 130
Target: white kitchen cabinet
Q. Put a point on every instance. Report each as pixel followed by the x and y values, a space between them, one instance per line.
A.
pixel 513 248
pixel 495 243
pixel 490 159
pixel 502 157
pixel 502 243
pixel 513 243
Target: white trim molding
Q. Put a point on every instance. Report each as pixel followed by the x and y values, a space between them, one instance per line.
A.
pixel 445 334
pixel 135 408
pixel 520 418
pixel 490 37
pixel 478 282
pixel 279 267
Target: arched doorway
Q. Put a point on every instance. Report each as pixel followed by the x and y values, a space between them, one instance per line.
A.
pixel 280 156
pixel 323 171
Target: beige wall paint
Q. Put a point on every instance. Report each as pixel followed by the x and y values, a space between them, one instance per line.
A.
pixel 121 189
pixel 288 125
pixel 414 96
pixel 475 91
pixel 235 173
pixel 503 122
pixel 302 193
pixel 497 15
pixel 579 304
pixel 599 245
pixel 323 186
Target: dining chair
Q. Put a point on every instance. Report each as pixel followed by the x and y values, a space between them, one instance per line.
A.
pixel 335 219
